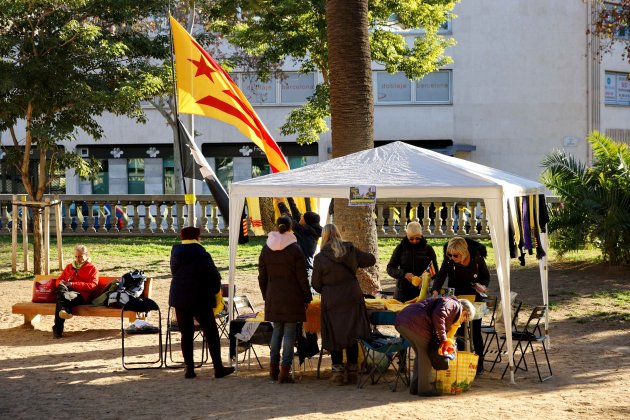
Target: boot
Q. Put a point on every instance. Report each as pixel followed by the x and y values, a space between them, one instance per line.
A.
pixel 351 374
pixel 223 371
pixel 480 366
pixel 189 372
pixel 285 375
pixel 338 377
pixel 57 332
pixel 274 371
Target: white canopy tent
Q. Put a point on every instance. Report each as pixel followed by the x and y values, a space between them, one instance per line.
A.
pixel 401 171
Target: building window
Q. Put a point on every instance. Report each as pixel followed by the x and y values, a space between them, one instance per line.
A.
pixel 257 91
pixel 135 176
pixel 100 184
pixel 296 88
pixel 225 171
pixel 292 88
pixel 169 175
pixel 617 89
pixel 434 88
pixel 260 166
pixel 393 87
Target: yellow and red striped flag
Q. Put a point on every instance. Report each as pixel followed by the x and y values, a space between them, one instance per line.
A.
pixel 204 88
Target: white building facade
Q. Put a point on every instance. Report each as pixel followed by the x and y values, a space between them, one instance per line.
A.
pixel 525 80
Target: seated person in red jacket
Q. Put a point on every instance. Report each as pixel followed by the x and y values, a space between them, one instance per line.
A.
pixel 74 287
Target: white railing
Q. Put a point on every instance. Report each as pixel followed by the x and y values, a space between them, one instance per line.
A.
pixel 139 215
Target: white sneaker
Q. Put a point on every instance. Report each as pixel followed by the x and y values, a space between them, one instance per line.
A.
pixel 65 314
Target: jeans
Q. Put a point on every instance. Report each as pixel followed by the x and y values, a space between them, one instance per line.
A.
pixel 283 336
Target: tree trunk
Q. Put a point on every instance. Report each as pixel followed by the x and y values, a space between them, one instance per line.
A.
pixel 352 115
pixel 38 242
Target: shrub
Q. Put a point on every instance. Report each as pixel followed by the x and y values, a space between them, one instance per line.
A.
pixel 595 206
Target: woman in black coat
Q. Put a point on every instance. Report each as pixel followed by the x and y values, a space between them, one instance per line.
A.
pixel 344 316
pixel 411 258
pixel 284 286
pixel 465 268
pixel 195 283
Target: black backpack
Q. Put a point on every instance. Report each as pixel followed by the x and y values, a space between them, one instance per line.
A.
pixel 130 287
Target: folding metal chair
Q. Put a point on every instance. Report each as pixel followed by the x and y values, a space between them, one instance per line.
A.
pixel 530 334
pixel 141 306
pixel 492 334
pixel 171 327
pixel 222 317
pixel 244 308
pixel 379 354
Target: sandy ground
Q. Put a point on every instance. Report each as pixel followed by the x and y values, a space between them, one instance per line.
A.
pixel 81 375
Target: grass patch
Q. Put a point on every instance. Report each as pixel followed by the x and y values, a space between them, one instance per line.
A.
pixel 618 297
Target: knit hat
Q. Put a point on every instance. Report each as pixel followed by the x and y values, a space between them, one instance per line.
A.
pixel 414 229
pixel 311 218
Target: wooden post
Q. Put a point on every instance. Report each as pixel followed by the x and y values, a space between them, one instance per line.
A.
pixel 58 230
pixel 46 250
pixel 25 233
pixel 14 230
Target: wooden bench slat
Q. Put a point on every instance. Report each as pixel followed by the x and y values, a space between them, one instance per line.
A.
pixel 32 311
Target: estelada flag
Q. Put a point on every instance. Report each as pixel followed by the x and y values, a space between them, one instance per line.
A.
pixel 204 88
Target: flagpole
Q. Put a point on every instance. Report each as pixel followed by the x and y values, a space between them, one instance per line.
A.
pixel 190 191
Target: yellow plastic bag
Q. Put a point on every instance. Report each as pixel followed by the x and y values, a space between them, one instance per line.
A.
pixel 426 277
pixel 460 374
pixel 220 304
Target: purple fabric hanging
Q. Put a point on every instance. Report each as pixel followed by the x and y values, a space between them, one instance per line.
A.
pixel 527 234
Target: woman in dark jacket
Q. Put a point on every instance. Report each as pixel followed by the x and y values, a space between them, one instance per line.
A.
pixel 417 323
pixel 344 316
pixel 195 283
pixel 284 286
pixel 465 268
pixel 307 230
pixel 411 258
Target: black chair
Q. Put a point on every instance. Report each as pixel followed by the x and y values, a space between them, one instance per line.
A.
pixel 530 334
pixel 171 327
pixel 493 336
pixel 143 306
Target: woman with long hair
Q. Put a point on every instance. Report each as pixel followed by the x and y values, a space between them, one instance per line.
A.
pixel 344 316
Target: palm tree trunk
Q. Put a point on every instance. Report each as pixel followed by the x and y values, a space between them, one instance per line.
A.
pixel 352 114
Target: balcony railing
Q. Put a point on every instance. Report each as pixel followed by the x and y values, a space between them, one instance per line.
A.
pixel 138 215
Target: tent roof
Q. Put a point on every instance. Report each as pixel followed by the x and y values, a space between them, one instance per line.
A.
pixel 398 170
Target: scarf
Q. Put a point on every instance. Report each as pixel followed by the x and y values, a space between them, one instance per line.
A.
pixel 190 241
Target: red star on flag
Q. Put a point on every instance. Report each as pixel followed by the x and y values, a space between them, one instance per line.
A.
pixel 203 68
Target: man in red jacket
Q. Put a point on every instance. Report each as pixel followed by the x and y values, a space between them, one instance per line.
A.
pixel 74 287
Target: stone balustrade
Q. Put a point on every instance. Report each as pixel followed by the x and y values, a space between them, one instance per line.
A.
pixel 140 215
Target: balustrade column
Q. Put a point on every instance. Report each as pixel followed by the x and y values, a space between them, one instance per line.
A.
pixel 461 228
pixel 438 229
pixel 125 210
pixel 426 220
pixel 90 217
pixel 170 219
pixel 484 221
pixel 113 217
pixel 5 217
pixel 204 216
pixel 403 220
pixel 380 220
pixel 180 215
pixel 136 218
pixel 215 219
pixel 159 219
pixel 450 222
pixel 101 218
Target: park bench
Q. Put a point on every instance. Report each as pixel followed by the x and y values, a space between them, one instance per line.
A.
pixel 32 311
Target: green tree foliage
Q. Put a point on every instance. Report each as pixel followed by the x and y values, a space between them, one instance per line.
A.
pixel 595 200
pixel 612 25
pixel 63 64
pixel 270 33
